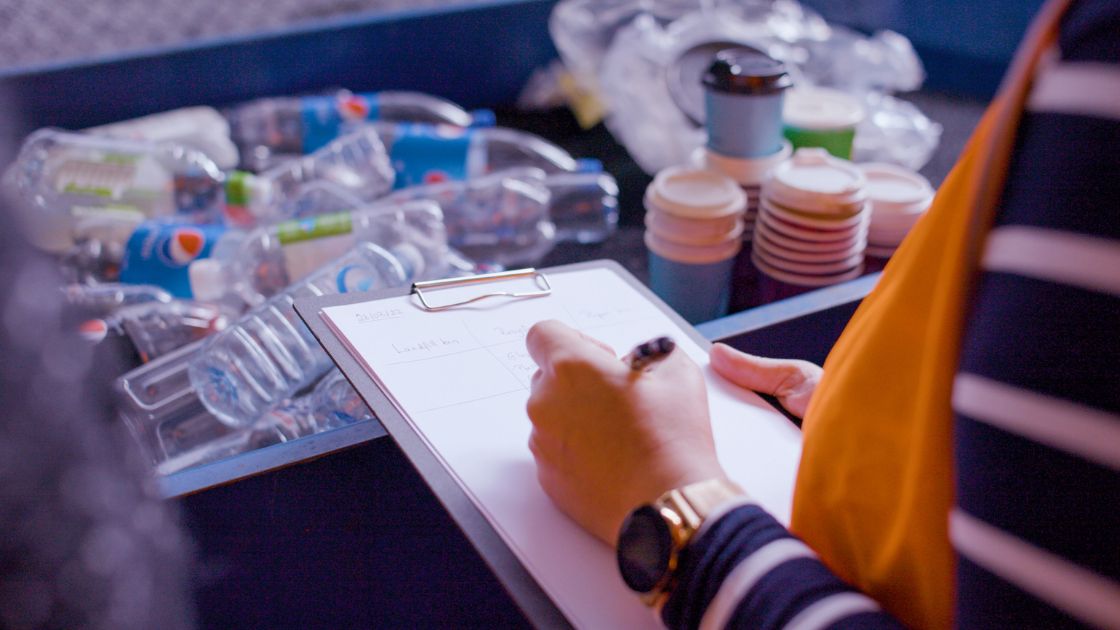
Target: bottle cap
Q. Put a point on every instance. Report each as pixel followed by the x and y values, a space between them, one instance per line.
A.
pixel 746 71
pixel 694 193
pixel 244 193
pixel 483 118
pixel 816 108
pixel 814 181
pixel 208 281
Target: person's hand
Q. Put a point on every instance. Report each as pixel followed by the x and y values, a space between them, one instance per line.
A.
pixel 606 438
pixel 791 381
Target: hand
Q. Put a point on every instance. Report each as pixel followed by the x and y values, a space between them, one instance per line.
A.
pixel 606 438
pixel 791 381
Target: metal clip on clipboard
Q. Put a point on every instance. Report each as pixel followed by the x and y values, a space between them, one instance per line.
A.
pixel 538 277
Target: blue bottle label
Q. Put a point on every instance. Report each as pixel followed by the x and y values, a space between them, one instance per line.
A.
pixel 160 253
pixel 428 154
pixel 324 118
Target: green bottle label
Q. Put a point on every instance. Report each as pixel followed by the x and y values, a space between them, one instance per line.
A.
pixel 315 227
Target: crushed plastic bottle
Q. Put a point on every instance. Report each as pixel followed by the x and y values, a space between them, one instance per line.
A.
pixel 163 413
pixel 103 299
pixel 498 219
pixel 268 129
pixel 61 177
pixel 515 216
pixel 200 128
pixel 219 264
pixel 335 402
pixel 157 328
pixel 269 355
pixel 427 154
pixel 356 162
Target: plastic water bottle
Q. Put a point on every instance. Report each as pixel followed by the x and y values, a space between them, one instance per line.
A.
pixel 356 162
pixel 215 263
pixel 157 328
pixel 497 219
pixel 60 177
pixel 583 206
pixel 103 299
pixel 427 154
pixel 336 403
pixel 200 128
pixel 266 127
pixel 269 355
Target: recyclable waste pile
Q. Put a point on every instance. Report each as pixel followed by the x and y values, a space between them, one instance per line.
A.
pixel 185 236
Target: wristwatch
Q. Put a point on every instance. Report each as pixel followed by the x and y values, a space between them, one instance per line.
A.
pixel 653 535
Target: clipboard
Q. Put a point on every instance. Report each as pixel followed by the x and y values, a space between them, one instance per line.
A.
pixel 517 579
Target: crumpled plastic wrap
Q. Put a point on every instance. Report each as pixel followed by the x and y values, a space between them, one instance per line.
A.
pixel 625 52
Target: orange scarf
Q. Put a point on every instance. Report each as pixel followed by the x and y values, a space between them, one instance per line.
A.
pixel 877 472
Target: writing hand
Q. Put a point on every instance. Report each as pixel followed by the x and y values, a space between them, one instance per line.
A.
pixel 606 438
pixel 791 381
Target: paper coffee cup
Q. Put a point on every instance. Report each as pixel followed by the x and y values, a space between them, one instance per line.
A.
pixel 694 194
pixel 694 280
pixel 822 117
pixel 814 181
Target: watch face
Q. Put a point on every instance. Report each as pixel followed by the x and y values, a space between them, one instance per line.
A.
pixel 645 546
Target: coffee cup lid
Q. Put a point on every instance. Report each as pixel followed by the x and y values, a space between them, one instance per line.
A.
pixel 817 108
pixel 812 268
pixel 746 171
pixel 694 193
pixel 803 279
pixel 690 232
pixel 792 243
pixel 763 241
pixel 896 190
pixel 692 254
pixel 776 224
pixel 815 181
pixel 815 221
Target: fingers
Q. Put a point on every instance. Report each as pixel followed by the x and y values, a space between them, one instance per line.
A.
pixel 769 376
pixel 551 340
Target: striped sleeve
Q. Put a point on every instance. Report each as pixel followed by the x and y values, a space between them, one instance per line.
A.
pixel 746 570
pixel 1037 397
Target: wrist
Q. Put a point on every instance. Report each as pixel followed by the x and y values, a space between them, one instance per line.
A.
pixel 653 536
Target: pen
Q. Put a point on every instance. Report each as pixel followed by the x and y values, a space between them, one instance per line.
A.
pixel 646 354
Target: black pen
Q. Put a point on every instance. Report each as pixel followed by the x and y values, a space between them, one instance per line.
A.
pixel 646 354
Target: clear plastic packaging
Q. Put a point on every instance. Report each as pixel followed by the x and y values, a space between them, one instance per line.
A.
pixel 642 58
pixel 269 355
pixel 199 128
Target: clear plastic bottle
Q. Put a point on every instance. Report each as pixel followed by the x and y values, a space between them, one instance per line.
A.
pixel 103 299
pixel 267 127
pixel 427 154
pixel 157 328
pixel 60 177
pixel 583 206
pixel 356 163
pixel 200 128
pixel 336 403
pixel 269 355
pixel 220 264
pixel 497 219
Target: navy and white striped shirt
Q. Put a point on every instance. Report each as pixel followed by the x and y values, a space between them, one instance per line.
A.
pixel 1036 399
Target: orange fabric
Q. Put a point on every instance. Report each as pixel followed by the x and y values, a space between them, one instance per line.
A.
pixel 876 480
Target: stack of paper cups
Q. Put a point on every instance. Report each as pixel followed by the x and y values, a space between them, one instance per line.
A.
pixel 899 197
pixel 812 221
pixel 694 230
pixel 749 173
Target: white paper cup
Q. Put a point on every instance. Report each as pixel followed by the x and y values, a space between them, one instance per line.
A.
pixel 802 279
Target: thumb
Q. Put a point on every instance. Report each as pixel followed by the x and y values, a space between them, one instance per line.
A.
pixel 769 376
